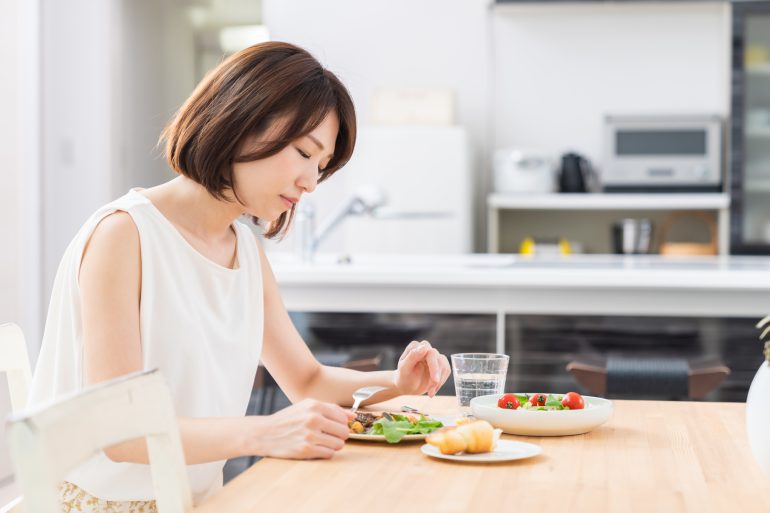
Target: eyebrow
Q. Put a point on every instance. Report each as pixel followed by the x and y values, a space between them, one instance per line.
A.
pixel 318 143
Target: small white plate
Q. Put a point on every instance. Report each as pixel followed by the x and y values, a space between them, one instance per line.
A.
pixel 543 423
pixel 506 450
pixel 407 438
pixel 381 438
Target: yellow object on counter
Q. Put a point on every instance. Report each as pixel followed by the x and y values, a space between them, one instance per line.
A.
pixel 756 55
pixel 529 246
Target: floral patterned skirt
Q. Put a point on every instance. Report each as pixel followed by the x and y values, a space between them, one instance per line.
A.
pixel 76 500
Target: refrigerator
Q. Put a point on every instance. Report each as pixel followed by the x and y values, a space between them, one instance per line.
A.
pixel 750 129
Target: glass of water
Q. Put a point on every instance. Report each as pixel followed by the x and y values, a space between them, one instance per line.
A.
pixel 478 374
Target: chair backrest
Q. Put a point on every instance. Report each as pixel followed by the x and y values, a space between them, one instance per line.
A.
pixel 14 361
pixel 48 442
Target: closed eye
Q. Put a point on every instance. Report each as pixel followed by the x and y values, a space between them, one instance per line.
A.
pixel 304 155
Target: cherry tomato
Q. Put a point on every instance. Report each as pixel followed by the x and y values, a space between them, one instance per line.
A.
pixel 538 399
pixel 573 401
pixel 509 402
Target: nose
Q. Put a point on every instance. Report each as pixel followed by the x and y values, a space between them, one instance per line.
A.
pixel 308 180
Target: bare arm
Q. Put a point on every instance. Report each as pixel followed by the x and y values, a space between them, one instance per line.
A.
pixel 110 287
pixel 421 368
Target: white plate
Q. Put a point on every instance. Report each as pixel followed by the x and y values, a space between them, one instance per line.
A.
pixel 506 450
pixel 381 438
pixel 407 438
pixel 543 423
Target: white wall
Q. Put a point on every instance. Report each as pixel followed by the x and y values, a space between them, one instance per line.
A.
pixel 19 200
pixel 9 218
pixel 535 76
pixel 431 43
pixel 558 69
pixel 78 108
pixel 155 73
pixel 114 72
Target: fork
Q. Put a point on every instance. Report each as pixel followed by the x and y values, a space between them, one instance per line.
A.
pixel 362 394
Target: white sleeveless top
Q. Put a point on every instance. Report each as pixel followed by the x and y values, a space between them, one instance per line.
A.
pixel 201 324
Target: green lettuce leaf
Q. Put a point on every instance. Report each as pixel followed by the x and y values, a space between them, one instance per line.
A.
pixel 394 430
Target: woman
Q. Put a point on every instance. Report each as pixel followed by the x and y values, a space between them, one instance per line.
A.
pixel 167 277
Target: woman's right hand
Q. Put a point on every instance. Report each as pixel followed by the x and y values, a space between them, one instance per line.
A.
pixel 309 429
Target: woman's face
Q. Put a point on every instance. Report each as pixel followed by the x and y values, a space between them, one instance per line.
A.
pixel 270 186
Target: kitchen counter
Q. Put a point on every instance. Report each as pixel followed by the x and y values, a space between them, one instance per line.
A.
pixel 725 286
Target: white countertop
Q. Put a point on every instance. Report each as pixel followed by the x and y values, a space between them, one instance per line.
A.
pixel 506 270
pixel 577 284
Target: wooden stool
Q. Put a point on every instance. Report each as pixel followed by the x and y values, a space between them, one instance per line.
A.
pixel 645 377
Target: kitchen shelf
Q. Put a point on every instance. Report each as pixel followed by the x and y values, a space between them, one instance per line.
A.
pixel 757 132
pixel 609 201
pixel 758 69
pixel 755 185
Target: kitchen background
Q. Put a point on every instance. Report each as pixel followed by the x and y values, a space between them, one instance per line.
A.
pixel 443 89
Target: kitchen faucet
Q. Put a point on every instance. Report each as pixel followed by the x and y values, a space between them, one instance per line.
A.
pixel 365 201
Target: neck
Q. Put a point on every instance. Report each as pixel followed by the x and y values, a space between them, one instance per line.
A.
pixel 191 207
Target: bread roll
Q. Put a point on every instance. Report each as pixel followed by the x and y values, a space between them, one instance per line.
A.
pixel 472 437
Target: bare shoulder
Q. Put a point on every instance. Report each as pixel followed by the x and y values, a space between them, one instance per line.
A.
pixel 114 244
pixel 115 227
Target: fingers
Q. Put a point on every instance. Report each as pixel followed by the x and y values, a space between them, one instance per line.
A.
pixel 333 412
pixel 409 348
pixel 413 355
pixel 335 429
pixel 325 440
pixel 446 371
pixel 421 357
pixel 439 377
pixel 434 371
pixel 327 430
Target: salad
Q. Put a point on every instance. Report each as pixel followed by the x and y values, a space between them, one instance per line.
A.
pixel 542 402
pixel 393 426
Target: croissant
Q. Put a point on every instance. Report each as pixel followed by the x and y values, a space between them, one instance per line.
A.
pixel 472 437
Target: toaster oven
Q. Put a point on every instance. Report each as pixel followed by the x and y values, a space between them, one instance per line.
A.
pixel 663 153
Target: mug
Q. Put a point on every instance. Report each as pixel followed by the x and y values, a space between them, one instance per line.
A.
pixel 632 236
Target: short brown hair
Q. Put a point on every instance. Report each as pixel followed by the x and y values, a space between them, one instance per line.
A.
pixel 241 97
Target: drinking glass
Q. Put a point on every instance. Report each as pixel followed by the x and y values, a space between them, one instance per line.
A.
pixel 478 374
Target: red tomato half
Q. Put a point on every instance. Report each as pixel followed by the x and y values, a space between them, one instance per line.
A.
pixel 538 399
pixel 573 401
pixel 509 402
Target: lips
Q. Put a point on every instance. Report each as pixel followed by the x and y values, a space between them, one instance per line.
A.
pixel 289 201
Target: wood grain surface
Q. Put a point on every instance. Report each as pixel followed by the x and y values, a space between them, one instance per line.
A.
pixel 652 456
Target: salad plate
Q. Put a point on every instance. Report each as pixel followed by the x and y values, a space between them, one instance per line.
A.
pixel 368 437
pixel 505 450
pixel 532 422
pixel 381 438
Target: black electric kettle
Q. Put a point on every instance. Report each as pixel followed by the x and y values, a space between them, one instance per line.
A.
pixel 575 174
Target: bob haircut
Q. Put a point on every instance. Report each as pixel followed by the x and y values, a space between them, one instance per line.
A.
pixel 243 97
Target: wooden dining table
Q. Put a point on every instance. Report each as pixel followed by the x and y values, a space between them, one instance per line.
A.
pixel 651 456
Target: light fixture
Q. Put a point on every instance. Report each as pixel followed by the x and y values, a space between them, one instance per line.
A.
pixel 235 38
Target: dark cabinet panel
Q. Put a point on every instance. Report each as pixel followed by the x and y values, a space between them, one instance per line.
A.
pixel 500 2
pixel 750 129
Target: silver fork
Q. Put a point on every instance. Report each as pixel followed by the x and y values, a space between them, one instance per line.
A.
pixel 362 394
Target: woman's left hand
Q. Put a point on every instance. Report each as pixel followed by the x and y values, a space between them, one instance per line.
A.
pixel 421 369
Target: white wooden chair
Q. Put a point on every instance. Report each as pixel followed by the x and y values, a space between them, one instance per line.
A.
pixel 48 442
pixel 14 362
